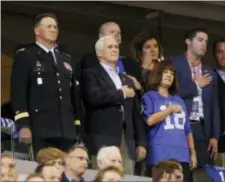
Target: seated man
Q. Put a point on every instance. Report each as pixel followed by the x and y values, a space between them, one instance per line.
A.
pixel 9 172
pixel 109 156
pixel 76 163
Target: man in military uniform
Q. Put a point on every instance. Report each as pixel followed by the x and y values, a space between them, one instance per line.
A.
pixel 44 91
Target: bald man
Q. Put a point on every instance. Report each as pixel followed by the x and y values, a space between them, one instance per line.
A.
pixel 125 65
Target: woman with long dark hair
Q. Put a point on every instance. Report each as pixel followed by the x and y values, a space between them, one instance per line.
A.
pixel 146 49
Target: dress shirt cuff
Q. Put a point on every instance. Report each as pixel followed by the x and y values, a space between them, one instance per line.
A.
pixel 124 96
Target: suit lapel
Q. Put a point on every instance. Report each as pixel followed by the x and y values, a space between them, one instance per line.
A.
pixel 123 79
pixel 105 76
pixel 187 67
pixel 204 89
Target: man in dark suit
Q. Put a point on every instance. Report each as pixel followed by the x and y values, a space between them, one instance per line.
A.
pixel 43 90
pixel 198 88
pixel 113 114
pixel 76 163
pixel 125 64
pixel 219 53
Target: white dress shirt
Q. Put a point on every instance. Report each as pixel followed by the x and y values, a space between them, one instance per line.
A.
pixel 114 75
pixel 47 50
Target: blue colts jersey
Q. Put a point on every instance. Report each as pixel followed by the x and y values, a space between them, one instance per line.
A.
pixel 168 138
pixel 217 174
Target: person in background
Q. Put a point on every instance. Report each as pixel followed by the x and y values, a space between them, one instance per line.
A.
pixel 167 171
pixel 219 54
pixel 169 131
pixel 76 163
pixel 9 172
pixel 125 64
pixel 51 155
pixel 146 50
pixel 109 156
pixel 49 172
pixel 35 178
pixel 199 89
pixel 109 174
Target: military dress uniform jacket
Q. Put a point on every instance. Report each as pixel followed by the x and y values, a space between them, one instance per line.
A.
pixel 43 93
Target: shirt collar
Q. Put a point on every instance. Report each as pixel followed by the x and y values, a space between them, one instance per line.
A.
pixel 70 179
pixel 197 67
pixel 45 48
pixel 109 68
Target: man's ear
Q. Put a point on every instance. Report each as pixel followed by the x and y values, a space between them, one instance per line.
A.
pixel 36 30
pixel 165 177
pixel 188 42
pixel 99 164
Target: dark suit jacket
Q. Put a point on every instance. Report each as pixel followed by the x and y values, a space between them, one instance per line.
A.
pixel 131 66
pixel 52 101
pixel 221 93
pixel 104 120
pixel 188 90
pixel 65 179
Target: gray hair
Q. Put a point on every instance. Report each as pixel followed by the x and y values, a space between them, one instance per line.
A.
pixel 100 44
pixel 104 152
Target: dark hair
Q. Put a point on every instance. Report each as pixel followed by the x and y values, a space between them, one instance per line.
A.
pixel 101 173
pixel 216 43
pixel 155 77
pixel 40 17
pixel 77 147
pixel 139 41
pixel 166 166
pixel 192 32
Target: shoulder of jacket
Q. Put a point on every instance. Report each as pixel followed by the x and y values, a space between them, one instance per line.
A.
pixel 21 50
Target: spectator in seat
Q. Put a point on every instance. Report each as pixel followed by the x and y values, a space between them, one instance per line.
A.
pixel 76 163
pixel 109 156
pixel 167 171
pixel 110 174
pixel 51 155
pixel 9 172
pixel 49 172
pixel 169 131
pixel 35 178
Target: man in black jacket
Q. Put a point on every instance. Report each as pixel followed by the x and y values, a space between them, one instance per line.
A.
pixel 44 91
pixel 126 65
pixel 113 113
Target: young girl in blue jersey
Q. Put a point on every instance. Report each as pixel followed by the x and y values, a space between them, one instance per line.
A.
pixel 169 132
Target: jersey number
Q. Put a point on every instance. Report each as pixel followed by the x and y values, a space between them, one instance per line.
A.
pixel 179 122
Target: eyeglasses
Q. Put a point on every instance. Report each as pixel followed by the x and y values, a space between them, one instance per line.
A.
pixel 81 158
pixel 60 163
